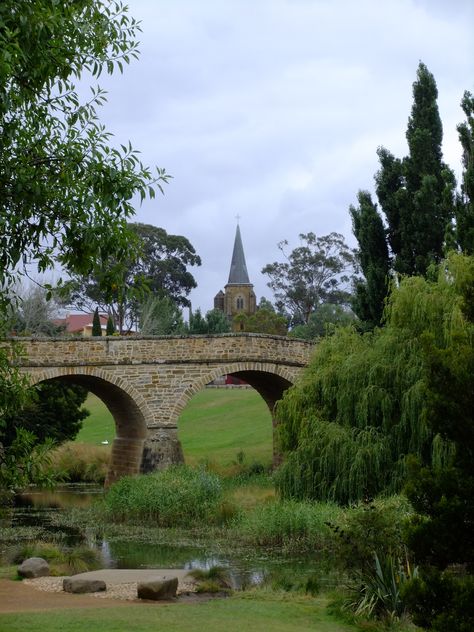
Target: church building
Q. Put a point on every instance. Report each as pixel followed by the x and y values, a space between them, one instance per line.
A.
pixel 238 296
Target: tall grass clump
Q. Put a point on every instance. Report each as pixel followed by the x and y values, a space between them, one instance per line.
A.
pixel 80 462
pixel 291 524
pixel 178 496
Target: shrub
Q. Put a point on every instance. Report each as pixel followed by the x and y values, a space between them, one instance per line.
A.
pixel 178 496
pixel 371 527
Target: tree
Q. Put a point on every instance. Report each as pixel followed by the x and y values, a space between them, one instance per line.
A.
pixel 314 273
pixel 52 409
pixel 324 321
pixel 214 322
pixel 31 314
pixel 110 330
pixel 96 324
pixel 416 193
pixel 368 302
pixel 441 535
pixel 65 192
pixel 160 316
pixel 366 401
pixel 465 202
pixel 264 321
pixel 159 265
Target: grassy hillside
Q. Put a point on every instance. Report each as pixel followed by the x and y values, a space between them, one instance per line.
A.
pixel 215 426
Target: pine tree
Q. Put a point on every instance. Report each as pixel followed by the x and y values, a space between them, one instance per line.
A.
pixel 110 330
pixel 416 193
pixel 374 260
pixel 465 203
pixel 96 326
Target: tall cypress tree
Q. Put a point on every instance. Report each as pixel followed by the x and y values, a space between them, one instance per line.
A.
pixel 96 326
pixel 465 203
pixel 416 193
pixel 374 260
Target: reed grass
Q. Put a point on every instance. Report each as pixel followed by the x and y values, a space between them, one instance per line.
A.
pixel 79 462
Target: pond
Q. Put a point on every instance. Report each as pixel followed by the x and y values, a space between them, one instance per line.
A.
pixel 38 508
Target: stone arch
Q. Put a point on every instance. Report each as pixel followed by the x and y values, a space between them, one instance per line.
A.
pixel 128 408
pixel 268 379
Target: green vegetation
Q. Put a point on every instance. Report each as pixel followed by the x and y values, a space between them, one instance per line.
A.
pixel 257 611
pixel 178 496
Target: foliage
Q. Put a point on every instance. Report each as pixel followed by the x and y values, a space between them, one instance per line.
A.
pixel 464 212
pixel 23 462
pixel 66 192
pixel 371 527
pixel 416 193
pixel 96 324
pixel 264 321
pixel 31 313
pixel 313 273
pixel 323 322
pixel 443 492
pixel 378 592
pixel 362 404
pixel 110 329
pixel 54 411
pixel 21 457
pixel 177 496
pixel 214 322
pixel 158 266
pixel 368 228
pixel 160 316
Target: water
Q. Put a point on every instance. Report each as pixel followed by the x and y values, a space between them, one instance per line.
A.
pixel 40 508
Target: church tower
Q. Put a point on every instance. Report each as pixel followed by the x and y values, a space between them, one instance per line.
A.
pixel 238 296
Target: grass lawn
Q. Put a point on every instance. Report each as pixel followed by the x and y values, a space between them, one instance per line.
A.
pixel 258 613
pixel 216 424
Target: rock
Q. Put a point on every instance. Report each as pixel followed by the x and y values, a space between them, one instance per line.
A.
pixel 77 585
pixel 33 567
pixel 157 588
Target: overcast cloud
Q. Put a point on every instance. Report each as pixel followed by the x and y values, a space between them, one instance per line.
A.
pixel 274 109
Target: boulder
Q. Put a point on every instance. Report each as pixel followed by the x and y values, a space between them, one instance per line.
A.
pixel 158 588
pixel 33 567
pixel 78 585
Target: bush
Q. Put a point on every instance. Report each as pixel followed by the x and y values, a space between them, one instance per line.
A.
pixel 368 528
pixel 178 496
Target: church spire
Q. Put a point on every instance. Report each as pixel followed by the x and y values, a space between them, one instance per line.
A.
pixel 238 274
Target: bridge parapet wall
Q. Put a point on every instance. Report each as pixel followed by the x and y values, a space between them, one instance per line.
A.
pixel 127 350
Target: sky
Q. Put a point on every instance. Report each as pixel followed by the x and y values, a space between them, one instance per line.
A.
pixel 272 110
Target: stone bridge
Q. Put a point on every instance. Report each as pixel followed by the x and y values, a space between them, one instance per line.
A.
pixel 146 382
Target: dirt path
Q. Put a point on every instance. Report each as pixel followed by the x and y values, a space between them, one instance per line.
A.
pixel 18 597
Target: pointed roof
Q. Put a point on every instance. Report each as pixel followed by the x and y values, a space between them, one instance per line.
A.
pixel 238 274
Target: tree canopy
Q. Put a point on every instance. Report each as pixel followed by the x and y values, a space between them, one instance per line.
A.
pixel 158 266
pixel 364 401
pixel 65 192
pixel 316 272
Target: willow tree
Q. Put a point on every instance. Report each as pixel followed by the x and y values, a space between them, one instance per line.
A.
pixel 362 404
